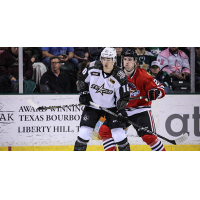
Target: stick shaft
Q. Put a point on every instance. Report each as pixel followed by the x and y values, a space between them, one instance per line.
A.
pixel 141 97
pixel 130 122
pixel 51 107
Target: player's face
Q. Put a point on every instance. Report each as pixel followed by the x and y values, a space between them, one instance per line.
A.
pixel 107 64
pixel 129 63
pixel 55 64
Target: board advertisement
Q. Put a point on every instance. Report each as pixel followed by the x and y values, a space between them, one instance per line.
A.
pixel 22 125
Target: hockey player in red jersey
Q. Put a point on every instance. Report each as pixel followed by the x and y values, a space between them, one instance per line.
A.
pixel 141 83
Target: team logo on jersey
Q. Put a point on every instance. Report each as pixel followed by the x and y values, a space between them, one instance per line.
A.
pixel 121 74
pixel 144 66
pixel 95 73
pixel 101 89
pixel 155 51
pixel 85 118
pixel 141 58
pixel 133 90
pixel 112 81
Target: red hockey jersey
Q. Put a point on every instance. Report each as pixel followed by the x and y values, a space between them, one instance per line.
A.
pixel 139 83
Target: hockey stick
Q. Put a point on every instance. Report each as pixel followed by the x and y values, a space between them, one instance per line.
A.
pixel 175 142
pixel 46 108
pixel 141 97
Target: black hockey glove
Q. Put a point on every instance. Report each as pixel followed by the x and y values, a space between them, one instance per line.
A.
pixel 122 116
pixel 152 94
pixel 85 98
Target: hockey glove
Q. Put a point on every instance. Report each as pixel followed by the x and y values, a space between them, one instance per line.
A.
pixel 122 116
pixel 152 94
pixel 85 98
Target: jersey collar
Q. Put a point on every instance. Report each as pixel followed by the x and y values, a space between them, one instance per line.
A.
pixel 131 76
pixel 106 75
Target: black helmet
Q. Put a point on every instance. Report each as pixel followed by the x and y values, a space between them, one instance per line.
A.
pixel 129 53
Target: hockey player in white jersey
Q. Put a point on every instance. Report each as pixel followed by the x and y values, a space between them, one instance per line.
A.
pixel 106 85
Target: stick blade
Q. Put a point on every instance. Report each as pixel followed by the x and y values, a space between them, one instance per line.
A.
pixel 182 138
pixel 32 103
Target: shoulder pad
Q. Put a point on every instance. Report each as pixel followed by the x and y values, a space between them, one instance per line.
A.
pixel 144 72
pixel 96 65
pixel 91 64
pixel 148 73
pixel 119 75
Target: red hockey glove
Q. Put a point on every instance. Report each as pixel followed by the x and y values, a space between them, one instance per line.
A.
pixel 152 94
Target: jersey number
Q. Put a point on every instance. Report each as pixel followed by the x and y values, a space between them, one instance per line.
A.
pixel 156 82
pixel 161 61
pixel 125 88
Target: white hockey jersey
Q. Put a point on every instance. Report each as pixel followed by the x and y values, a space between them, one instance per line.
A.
pixel 105 91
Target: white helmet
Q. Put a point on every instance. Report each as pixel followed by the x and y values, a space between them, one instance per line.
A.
pixel 109 52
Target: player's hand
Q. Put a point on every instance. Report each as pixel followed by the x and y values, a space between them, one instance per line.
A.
pixel 85 98
pixel 122 116
pixel 152 94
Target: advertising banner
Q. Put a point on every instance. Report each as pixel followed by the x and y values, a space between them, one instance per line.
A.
pixel 22 125
pixel 180 114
